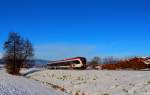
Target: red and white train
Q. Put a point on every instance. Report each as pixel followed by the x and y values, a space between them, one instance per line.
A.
pixel 71 63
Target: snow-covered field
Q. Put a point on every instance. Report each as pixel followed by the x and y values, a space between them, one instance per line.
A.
pixel 93 82
pixel 18 85
pixel 75 82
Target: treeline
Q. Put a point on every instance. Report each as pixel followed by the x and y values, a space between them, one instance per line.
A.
pixel 111 63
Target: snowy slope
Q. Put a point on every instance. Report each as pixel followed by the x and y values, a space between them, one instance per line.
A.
pixel 17 85
pixel 92 82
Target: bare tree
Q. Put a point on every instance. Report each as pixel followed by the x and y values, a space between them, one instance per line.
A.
pixel 95 61
pixel 17 51
pixel 110 60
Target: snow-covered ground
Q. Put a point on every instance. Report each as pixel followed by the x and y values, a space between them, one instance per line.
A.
pixel 18 85
pixel 75 82
pixel 93 82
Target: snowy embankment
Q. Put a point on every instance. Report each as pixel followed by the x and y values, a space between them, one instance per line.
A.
pixel 92 82
pixel 18 85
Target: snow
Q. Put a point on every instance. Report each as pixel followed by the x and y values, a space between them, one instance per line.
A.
pixel 2 66
pixel 97 82
pixel 18 85
pixel 38 81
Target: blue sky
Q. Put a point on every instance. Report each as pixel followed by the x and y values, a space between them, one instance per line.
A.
pixel 69 28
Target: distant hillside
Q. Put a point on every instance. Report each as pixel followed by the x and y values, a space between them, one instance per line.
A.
pixel 40 62
pixel 35 62
pixel 1 61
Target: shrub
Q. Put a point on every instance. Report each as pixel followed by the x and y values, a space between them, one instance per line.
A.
pixel 132 63
pixel 17 51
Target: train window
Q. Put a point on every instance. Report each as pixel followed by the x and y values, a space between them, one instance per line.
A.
pixel 65 63
pixel 75 62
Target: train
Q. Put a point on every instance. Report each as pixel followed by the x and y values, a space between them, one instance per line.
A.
pixel 70 63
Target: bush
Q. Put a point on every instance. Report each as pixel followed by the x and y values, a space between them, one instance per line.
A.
pixel 132 63
pixel 17 51
pixel 94 62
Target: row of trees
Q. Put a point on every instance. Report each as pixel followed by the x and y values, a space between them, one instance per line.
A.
pixel 17 51
pixel 96 61
pixel 111 63
pixel 132 63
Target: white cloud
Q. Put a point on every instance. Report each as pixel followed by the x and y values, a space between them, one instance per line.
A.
pixel 61 51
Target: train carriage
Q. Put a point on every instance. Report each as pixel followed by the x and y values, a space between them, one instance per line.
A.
pixel 71 63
